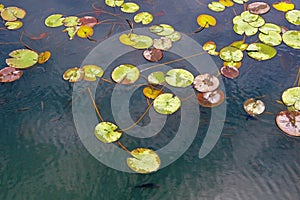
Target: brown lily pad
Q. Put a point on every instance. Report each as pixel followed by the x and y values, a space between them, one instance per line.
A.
pixel 211 99
pixel 88 21
pixel 254 107
pixel 10 74
pixel 230 72
pixel 258 8
pixel 289 122
pixel 206 83
pixel 153 55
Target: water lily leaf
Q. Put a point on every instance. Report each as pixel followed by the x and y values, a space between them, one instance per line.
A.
pixel 9 74
pixel 206 83
pixel 244 28
pixel 12 13
pixel 126 39
pixel 54 20
pixel 88 21
pixel 292 39
pixel 91 72
pixel 240 1
pixel 258 8
pixel 70 21
pixel 179 78
pixel 85 31
pixel 163 43
pixel 289 122
pixel 291 97
pixel 249 17
pixel 175 36
pixel 258 22
pixel 141 41
pixel 156 78
pixel 22 58
pixel 130 7
pixel 156 28
pixel 1 7
pixel 114 3
pixel 240 45
pixel 144 17
pixel 254 107
pixel 166 103
pixel 153 54
pixel 44 57
pixel 13 25
pixel 233 64
pixel 71 31
pixel 231 54
pixel 205 21
pixel 227 3
pixel 230 72
pixel 167 30
pixel 151 93
pixel 211 99
pixel 144 161
pixel 260 51
pixel 74 74
pixel 293 16
pixel 216 6
pixel 125 74
pixel 272 38
pixel 267 27
pixel 283 6
pixel 106 132
pixel 210 48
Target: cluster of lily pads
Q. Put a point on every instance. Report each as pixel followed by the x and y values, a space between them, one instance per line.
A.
pixel 11 16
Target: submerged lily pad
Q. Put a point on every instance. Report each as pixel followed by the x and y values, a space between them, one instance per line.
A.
pixel 206 83
pixel 254 107
pixel 166 103
pixel 91 72
pixel 293 16
pixel 179 78
pixel 205 20
pixel 114 3
pixel 125 74
pixel 291 97
pixel 258 8
pixel 163 43
pixel 44 57
pixel 156 78
pixel 289 122
pixel 230 53
pixel 22 58
pixel 153 54
pixel 12 13
pixel 260 51
pixel 230 72
pixel 151 93
pixel 130 7
pixel 211 99
pixel 54 20
pixel 144 161
pixel 216 6
pixel 106 132
pixel 144 17
pixel 85 31
pixel 272 38
pixel 9 74
pixel 74 74
pixel 292 39
pixel 13 25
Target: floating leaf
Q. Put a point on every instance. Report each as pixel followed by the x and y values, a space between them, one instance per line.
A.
pixel 71 31
pixel 175 36
pixel 233 64
pixel 126 39
pixel 283 6
pixel 144 17
pixel 166 103
pixel 267 27
pixel 144 161
pixel 272 38
pixel 227 3
pixel 163 43
pixel 74 74
pixel 70 21
pixel 244 28
pixel 54 20
pixel 44 57
pixel 106 132
pixel 85 31
pixel 22 58
pixel 13 25
pixel 254 107
pixel 91 72
pixel 257 23
pixel 291 97
pixel 156 78
pixel 130 7
pixel 1 7
pixel 141 41
pixel 216 6
pixel 293 16
pixel 292 39
pixel 231 54
pixel 88 21
pixel 179 78
pixel 167 30
pixel 210 48
pixel 230 72
pixel 240 1
pixel 240 45
pixel 114 3
pixel 151 93
pixel 206 20
pixel 9 74
pixel 125 74
pixel 211 99
pixel 258 8
pixel 12 13
pixel 153 54
pixel 289 122
pixel 206 83
pixel 157 28
pixel 249 17
pixel 260 51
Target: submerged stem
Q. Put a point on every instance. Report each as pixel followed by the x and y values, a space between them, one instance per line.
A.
pixel 95 106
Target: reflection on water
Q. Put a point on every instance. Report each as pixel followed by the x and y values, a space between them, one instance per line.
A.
pixel 42 157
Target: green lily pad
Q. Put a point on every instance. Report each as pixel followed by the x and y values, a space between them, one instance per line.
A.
pixel 249 17
pixel 175 36
pixel 258 23
pixel 167 30
pixel 141 41
pixel 70 21
pixel 244 28
pixel 130 7
pixel 260 51
pixel 106 132
pixel 240 1
pixel 12 13
pixel 166 103
pixel 72 31
pixel 125 74
pixel 54 20
pixel 22 58
pixel 216 6
pixel 156 28
pixel 144 17
pixel 240 44
pixel 293 16
pixel 144 161
pixel 1 7
pixel 179 78
pixel 163 43
pixel 272 38
pixel 74 74
pixel 114 3
pixel 292 39
pixel 291 97
pixel 267 27
pixel 91 72
pixel 126 39
pixel 13 25
pixel 231 54
pixel 156 78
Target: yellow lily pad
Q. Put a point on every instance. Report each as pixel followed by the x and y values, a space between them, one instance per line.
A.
pixel 205 21
pixel 106 132
pixel 227 3
pixel 12 13
pixel 283 6
pixel 85 31
pixel 44 57
pixel 126 39
pixel 114 3
pixel 13 25
pixel 151 93
pixel 130 7
pixel 144 17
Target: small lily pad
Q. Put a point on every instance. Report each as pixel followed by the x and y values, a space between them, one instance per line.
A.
pixel 291 97
pixel 211 99
pixel 227 3
pixel 254 107
pixel 151 93
pixel 156 28
pixel 44 57
pixel 71 31
pixel 163 43
pixel 240 1
pixel 85 31
pixel 126 39
pixel 9 74
pixel 258 8
pixel 74 74
pixel 260 51
pixel 13 25
pixel 205 21
pixel 272 38
pixel 144 17
pixel 167 30
pixel 244 28
pixel 240 44
pixel 114 3
pixel 206 83
pixel 88 21
pixel 292 39
pixel 179 78
pixel 230 53
pixel 1 7
pixel 156 78
pixel 12 13
pixel 106 132
pixel 144 161
pixel 166 103
pixel 230 72
pixel 289 122
pixel 216 6
pixel 70 21
pixel 283 6
pixel 91 72
pixel 22 58
pixel 233 64
pixel 125 74
pixel 175 36
pixel 153 54
pixel 54 20
pixel 293 16
pixel 130 7
pixel 210 48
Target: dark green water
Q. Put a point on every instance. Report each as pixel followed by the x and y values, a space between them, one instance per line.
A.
pixel 42 156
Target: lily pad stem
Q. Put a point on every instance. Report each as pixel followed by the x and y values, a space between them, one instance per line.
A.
pixel 297 78
pixel 95 106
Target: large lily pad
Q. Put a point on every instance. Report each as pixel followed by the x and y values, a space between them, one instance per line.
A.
pixel 206 83
pixel 267 27
pixel 211 99
pixel 156 78
pixel 74 74
pixel 91 72
pixel 144 161
pixel 9 74
pixel 12 13
pixel 125 74
pixel 272 38
pixel 179 78
pixel 293 16
pixel 230 53
pixel 106 132
pixel 291 97
pixel 144 17
pixel 54 20
pixel 254 107
pixel 126 39
pixel 22 58
pixel 289 122
pixel 166 103
pixel 292 39
pixel 260 51
pixel 130 7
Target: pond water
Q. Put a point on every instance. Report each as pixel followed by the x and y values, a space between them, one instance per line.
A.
pixel 42 155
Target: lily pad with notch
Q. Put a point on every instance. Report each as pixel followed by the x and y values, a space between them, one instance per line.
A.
pixel 166 103
pixel 261 51
pixel 254 107
pixel 211 99
pixel 230 53
pixel 291 97
pixel 125 74
pixel 22 58
pixel 144 17
pixel 91 72
pixel 130 7
pixel 106 132
pixel 12 13
pixel 74 74
pixel 9 74
pixel 179 78
pixel 230 72
pixel 156 78
pixel 289 122
pixel 292 38
pixel 206 83
pixel 13 25
pixel 54 20
pixel 151 93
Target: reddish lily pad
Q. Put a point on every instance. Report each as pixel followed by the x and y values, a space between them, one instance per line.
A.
pixel 153 54
pixel 73 74
pixel 258 8
pixel 289 122
pixel 206 83
pixel 88 21
pixel 254 107
pixel 211 99
pixel 163 43
pixel 10 74
pixel 230 72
